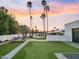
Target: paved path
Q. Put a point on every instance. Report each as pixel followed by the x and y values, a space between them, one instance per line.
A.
pixel 60 56
pixel 13 52
pixel 76 45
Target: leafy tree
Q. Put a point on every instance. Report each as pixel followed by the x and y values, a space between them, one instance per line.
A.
pixel 8 25
pixel 3 21
pixel 13 26
pixel 24 30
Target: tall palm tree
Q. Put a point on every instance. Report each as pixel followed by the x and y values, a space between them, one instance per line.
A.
pixel 47 10
pixel 43 16
pixel 29 5
pixel 44 3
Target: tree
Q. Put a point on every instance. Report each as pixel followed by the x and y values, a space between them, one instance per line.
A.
pixel 43 19
pixel 13 26
pixel 47 10
pixel 8 25
pixel 29 5
pixel 36 29
pixel 3 21
pixel 54 28
pixel 32 32
pixel 24 30
pixel 44 3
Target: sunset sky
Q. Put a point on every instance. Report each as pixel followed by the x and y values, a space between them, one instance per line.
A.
pixel 61 12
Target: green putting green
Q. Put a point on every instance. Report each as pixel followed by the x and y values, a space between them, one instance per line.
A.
pixel 44 50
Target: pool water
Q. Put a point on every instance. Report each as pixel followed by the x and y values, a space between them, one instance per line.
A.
pixel 72 56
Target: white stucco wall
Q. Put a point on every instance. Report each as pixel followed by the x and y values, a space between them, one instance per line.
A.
pixel 57 38
pixel 37 35
pixel 69 27
pixel 9 37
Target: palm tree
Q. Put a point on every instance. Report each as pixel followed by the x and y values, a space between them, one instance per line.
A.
pixel 47 10
pixel 35 28
pixel 29 5
pixel 44 3
pixel 54 28
pixel 43 18
pixel 6 10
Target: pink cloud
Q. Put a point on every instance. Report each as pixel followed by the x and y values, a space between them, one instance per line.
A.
pixel 64 8
pixel 56 8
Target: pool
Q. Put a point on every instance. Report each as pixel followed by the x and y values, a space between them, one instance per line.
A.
pixel 72 56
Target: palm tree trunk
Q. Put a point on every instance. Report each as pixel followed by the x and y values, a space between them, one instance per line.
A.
pixel 44 24
pixel 30 22
pixel 47 21
pixel 30 19
pixel 44 9
pixel 44 28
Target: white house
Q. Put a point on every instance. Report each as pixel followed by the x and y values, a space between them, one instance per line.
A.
pixel 71 33
pixel 72 30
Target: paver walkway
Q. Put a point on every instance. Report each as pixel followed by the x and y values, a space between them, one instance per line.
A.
pixel 76 45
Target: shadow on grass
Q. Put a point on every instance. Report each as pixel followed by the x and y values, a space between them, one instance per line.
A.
pixel 51 55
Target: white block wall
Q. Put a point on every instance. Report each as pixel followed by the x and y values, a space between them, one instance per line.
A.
pixel 37 35
pixel 57 38
pixel 9 37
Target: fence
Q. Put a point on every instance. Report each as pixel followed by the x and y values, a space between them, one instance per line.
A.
pixel 9 37
pixel 58 38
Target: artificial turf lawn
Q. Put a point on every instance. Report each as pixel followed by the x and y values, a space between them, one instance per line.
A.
pixel 4 49
pixel 44 50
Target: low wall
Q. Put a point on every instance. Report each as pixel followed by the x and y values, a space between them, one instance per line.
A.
pixel 37 36
pixel 9 37
pixel 58 38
